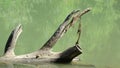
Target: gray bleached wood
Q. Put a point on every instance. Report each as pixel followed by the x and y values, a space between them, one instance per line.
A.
pixel 44 54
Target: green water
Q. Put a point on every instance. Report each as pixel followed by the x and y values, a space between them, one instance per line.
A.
pixel 40 18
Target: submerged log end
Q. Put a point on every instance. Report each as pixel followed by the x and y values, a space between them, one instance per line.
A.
pixel 69 54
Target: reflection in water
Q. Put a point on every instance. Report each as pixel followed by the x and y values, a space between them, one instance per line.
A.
pixel 40 18
pixel 45 65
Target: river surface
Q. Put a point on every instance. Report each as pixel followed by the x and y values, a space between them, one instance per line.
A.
pixel 100 38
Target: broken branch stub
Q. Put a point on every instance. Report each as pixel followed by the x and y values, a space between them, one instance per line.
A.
pixel 11 42
pixel 44 54
pixel 67 55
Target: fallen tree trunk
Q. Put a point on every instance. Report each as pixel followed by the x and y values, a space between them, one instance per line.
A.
pixel 44 54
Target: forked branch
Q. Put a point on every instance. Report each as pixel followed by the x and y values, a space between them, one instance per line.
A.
pixel 68 22
pixel 44 54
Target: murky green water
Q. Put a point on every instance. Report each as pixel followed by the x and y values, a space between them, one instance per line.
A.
pixel 40 18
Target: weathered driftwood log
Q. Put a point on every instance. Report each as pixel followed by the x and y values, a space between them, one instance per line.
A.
pixel 44 54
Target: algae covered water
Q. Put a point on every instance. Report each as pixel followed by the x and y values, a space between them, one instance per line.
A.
pixel 40 18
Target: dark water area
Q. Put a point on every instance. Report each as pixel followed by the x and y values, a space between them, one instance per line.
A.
pixel 100 38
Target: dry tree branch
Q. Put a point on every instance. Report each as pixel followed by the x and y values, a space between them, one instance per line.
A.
pixel 11 42
pixel 44 54
pixel 68 22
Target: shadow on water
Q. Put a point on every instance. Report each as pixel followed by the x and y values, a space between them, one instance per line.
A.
pixel 46 65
